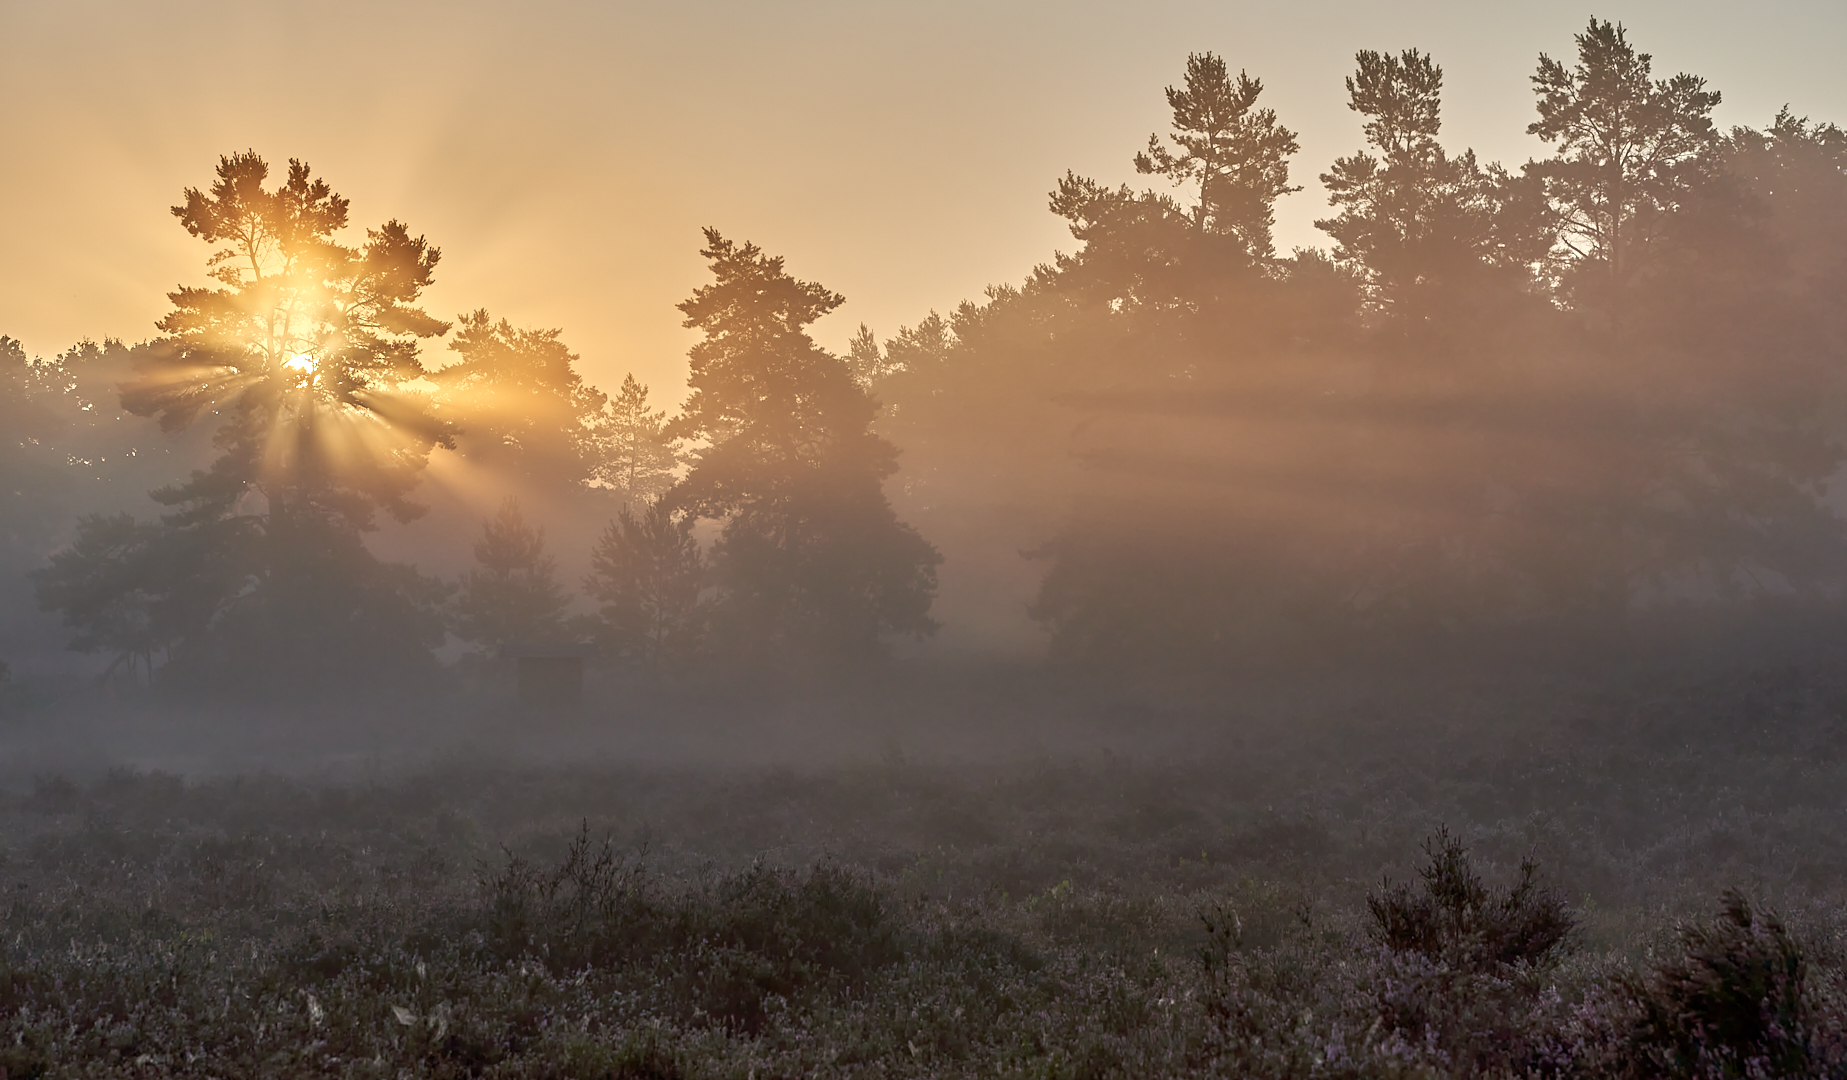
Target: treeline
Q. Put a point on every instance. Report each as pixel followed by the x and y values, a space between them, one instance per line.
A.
pixel 1505 405
pixel 303 363
pixel 1508 405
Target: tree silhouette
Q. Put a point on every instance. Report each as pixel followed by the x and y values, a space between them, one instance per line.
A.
pixel 1253 466
pixel 1237 153
pixel 812 564
pixel 867 361
pixel 31 491
pixel 99 584
pixel 303 353
pixel 514 595
pixel 303 350
pixel 1630 146
pixel 1409 213
pixel 635 458
pixel 647 572
pixel 519 403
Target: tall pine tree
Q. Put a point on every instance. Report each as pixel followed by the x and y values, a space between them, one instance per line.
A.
pixel 1237 153
pixel 1630 148
pixel 813 566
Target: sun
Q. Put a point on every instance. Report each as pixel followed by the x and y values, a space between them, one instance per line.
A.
pixel 302 362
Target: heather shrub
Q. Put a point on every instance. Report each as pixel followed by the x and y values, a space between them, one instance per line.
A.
pixel 1457 921
pixel 1733 1003
pixel 1450 979
pixel 591 908
pixel 725 949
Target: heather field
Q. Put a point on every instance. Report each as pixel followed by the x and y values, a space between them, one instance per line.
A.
pixel 1622 887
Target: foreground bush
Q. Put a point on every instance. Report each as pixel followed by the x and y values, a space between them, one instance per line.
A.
pixel 1736 1002
pixel 759 936
pixel 1455 921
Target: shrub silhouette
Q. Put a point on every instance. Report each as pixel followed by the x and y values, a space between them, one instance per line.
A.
pixel 1456 920
pixel 1731 1005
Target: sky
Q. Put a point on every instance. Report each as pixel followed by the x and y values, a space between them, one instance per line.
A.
pixel 565 155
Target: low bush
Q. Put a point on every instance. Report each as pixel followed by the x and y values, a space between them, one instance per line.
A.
pixel 755 935
pixel 1733 1003
pixel 1457 921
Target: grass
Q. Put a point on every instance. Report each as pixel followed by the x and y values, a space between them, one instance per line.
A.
pixel 1647 887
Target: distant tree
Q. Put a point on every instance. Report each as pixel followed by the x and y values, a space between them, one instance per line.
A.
pixel 1630 147
pixel 103 582
pixel 1145 255
pixel 1795 173
pixel 921 350
pixel 1409 213
pixel 114 458
pixel 1142 253
pixel 519 403
pixel 812 562
pixel 318 615
pixel 32 492
pixel 1721 355
pixel 647 573
pixel 239 604
pixel 865 359
pixel 515 595
pixel 1237 153
pixel 635 458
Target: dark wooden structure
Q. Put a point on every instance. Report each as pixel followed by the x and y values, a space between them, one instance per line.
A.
pixel 551 674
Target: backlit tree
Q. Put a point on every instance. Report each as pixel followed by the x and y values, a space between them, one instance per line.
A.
pixel 648 574
pixel 635 457
pixel 1630 146
pixel 301 351
pixel 812 563
pixel 300 354
pixel 519 404
pixel 1237 153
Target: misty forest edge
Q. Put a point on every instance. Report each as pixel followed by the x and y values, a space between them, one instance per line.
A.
pixel 1549 412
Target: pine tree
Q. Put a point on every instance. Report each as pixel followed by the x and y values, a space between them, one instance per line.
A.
pixel 520 404
pixel 647 572
pixel 1237 153
pixel 1630 147
pixel 305 355
pixel 1410 214
pixel 515 595
pixel 868 362
pixel 635 457
pixel 303 352
pixel 812 564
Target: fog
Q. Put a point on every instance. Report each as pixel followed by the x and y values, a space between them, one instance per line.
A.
pixel 1107 633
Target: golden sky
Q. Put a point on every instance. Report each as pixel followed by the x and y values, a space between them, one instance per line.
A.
pixel 564 155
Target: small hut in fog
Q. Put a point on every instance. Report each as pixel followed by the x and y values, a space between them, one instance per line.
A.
pixel 550 673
